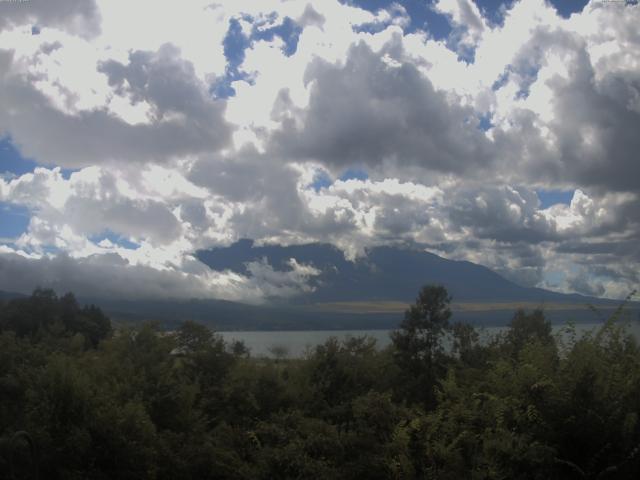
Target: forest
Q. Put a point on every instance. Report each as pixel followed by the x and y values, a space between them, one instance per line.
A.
pixel 81 398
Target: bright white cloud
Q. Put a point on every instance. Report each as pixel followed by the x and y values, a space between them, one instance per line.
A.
pixel 456 136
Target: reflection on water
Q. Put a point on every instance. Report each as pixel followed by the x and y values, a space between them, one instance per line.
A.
pixel 296 343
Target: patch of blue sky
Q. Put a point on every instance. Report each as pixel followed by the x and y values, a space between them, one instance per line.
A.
pixel 484 121
pixel 14 221
pixel 13 164
pixel 289 31
pixel 566 7
pixel 529 74
pixel 501 81
pixel 320 181
pixel 323 180
pixel 421 14
pixel 466 53
pixel 235 43
pixel 354 174
pixel 494 10
pixel 371 28
pixel 115 239
pixel 66 172
pixel 554 197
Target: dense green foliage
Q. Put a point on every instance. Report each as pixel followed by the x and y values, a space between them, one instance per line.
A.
pixel 78 400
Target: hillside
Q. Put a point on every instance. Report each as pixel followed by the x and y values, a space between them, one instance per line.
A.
pixel 387 273
pixel 370 293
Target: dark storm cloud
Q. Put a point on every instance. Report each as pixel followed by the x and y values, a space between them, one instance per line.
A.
pixel 619 248
pixel 367 112
pixel 268 190
pixel 521 262
pixel 597 128
pixel 581 283
pixel 247 176
pixel 139 218
pixel 398 216
pixel 501 213
pixel 595 122
pixel 106 275
pixel 163 79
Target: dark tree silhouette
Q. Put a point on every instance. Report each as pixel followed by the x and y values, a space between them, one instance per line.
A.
pixel 418 343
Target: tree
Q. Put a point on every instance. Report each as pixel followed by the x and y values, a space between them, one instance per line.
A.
pixel 527 327
pixel 44 314
pixel 194 337
pixel 466 345
pixel 96 325
pixel 342 370
pixel 418 348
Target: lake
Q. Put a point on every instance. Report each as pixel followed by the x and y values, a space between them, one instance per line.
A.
pixel 296 343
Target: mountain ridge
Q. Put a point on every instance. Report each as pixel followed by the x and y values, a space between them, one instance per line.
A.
pixel 369 293
pixel 392 273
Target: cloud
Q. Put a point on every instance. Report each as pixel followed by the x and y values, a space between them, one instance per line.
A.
pixel 276 283
pixel 573 90
pixel 111 276
pixel 581 283
pixel 164 81
pixel 468 21
pixel 597 136
pixel 310 17
pixel 77 16
pixel 455 137
pixel 369 112
pixel 184 120
pixel 90 202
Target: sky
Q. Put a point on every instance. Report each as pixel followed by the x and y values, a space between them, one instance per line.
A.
pixel 133 134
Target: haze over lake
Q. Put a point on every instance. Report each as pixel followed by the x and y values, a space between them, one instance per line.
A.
pixel 295 344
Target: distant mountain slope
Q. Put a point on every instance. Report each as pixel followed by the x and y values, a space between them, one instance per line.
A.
pixel 4 296
pixel 370 293
pixel 388 273
pixel 229 316
pixel 222 315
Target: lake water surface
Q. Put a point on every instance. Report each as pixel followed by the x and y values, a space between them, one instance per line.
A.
pixel 296 343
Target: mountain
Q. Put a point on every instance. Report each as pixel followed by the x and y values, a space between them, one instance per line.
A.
pixel 6 296
pixel 369 293
pixel 387 273
pixel 230 316
pixel 373 291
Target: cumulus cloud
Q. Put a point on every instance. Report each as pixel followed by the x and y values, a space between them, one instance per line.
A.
pixel 597 136
pixel 468 22
pixel 109 275
pixel 458 140
pixel 367 111
pixel 574 86
pixel 90 202
pixel 182 119
pixel 77 16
